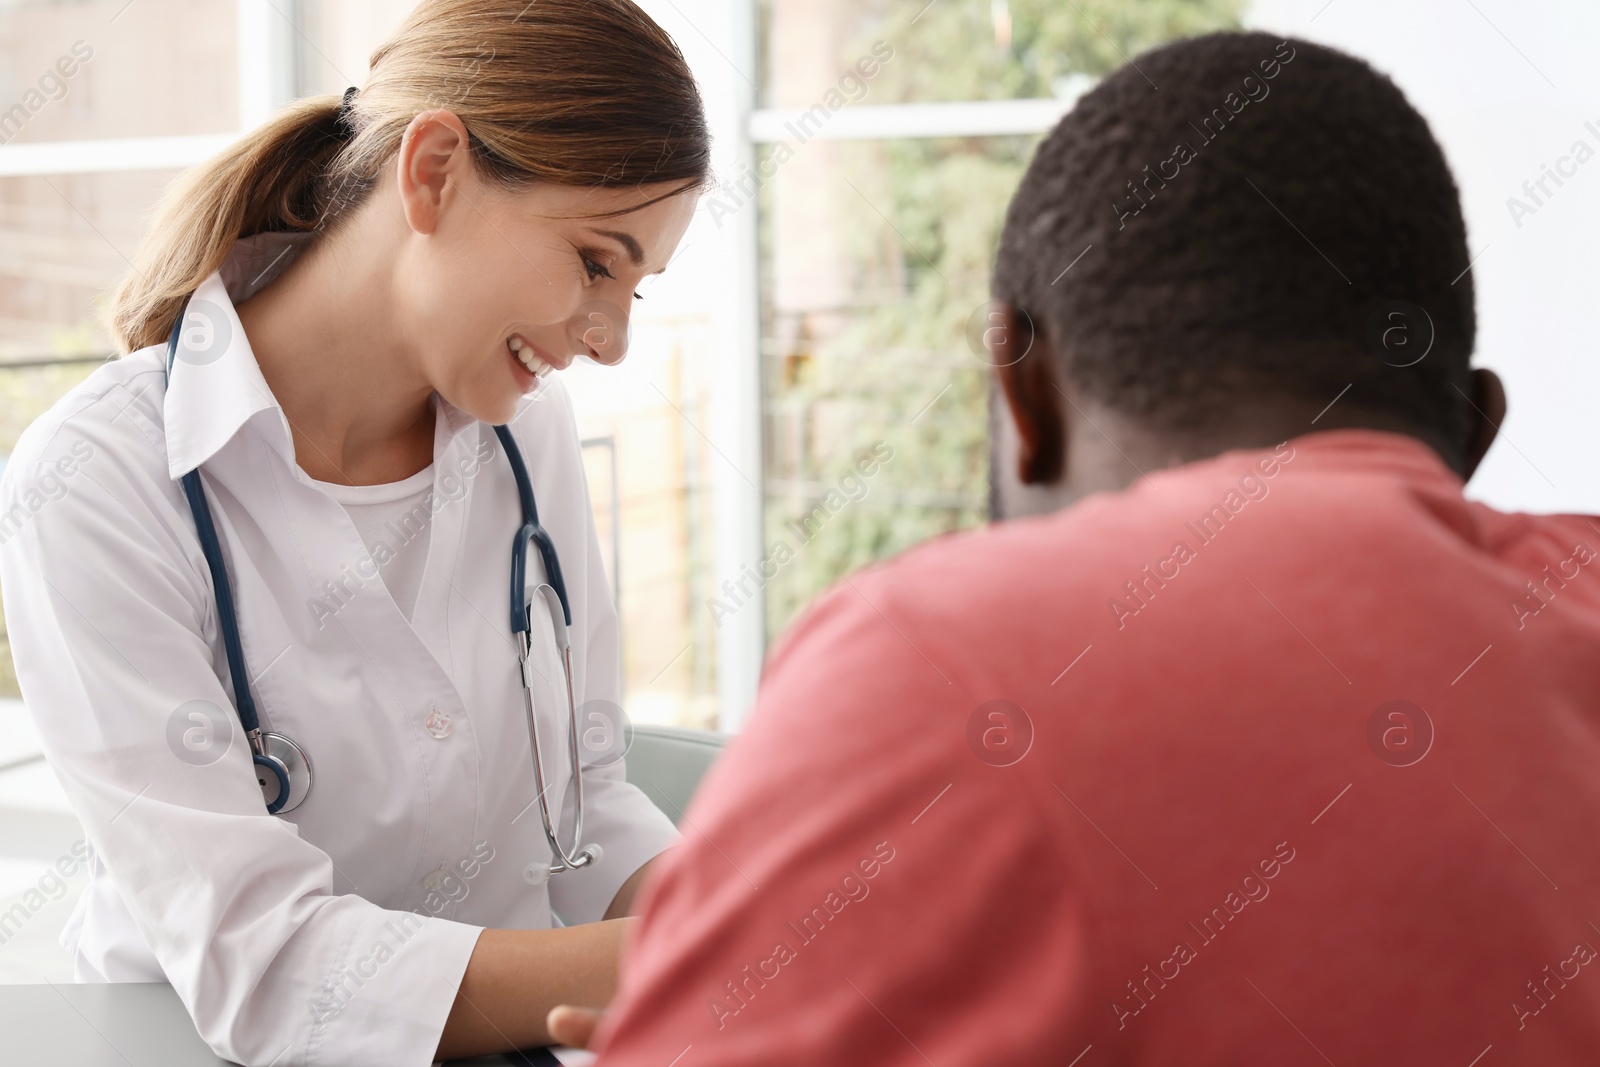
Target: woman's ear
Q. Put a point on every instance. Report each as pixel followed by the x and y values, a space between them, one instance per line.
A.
pixel 434 148
pixel 1025 367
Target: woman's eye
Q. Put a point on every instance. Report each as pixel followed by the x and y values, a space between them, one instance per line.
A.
pixel 595 270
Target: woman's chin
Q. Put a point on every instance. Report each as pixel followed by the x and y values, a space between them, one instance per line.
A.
pixel 494 406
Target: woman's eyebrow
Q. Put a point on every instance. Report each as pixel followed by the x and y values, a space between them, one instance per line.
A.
pixel 626 240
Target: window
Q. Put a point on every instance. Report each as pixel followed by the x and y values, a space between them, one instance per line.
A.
pixel 893 139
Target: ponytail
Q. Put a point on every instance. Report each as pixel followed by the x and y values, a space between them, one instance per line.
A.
pixel 269 180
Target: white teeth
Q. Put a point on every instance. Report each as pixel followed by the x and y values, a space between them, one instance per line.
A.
pixel 525 356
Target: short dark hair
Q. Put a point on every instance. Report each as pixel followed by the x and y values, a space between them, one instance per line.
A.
pixel 1254 211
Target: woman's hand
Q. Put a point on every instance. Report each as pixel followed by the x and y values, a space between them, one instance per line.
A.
pixel 571 1026
pixel 574 1026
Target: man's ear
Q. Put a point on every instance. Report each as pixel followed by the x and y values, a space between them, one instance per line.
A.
pixel 1025 367
pixel 1489 397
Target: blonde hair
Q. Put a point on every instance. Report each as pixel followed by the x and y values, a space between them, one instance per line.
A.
pixel 573 92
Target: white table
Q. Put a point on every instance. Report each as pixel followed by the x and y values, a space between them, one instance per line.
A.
pixel 136 1024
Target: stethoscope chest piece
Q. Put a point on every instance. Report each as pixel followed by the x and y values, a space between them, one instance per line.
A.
pixel 282 761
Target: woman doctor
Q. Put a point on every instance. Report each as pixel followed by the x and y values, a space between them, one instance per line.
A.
pixel 367 288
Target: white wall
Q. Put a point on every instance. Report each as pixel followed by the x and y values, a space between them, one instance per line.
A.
pixel 1500 115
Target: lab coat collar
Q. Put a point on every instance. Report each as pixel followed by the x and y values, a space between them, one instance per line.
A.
pixel 216 385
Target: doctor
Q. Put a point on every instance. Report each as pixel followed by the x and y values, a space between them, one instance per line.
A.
pixel 357 294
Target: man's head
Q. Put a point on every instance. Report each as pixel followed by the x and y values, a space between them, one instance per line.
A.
pixel 1222 239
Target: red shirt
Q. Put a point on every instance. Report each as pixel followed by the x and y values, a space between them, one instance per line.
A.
pixel 1286 757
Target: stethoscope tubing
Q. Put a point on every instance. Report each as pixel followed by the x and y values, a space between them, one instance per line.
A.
pixel 529 532
pixel 211 547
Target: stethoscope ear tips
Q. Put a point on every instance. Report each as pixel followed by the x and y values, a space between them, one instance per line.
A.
pixel 536 874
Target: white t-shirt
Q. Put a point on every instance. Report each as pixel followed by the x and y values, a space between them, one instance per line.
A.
pixel 393 520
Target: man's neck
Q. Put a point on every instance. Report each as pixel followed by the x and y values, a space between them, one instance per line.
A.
pixel 1108 451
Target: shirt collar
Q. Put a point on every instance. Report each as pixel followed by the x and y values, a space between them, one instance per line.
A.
pixel 216 386
pixel 1379 451
pixel 1346 450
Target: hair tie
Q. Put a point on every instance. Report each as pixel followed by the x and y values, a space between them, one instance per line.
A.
pixel 343 117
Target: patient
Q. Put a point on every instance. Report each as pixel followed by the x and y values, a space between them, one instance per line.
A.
pixel 1245 738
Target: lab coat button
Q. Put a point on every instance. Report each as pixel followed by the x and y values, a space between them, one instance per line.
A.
pixel 438 723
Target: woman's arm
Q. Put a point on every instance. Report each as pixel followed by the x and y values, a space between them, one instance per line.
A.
pixel 516 976
pixel 107 611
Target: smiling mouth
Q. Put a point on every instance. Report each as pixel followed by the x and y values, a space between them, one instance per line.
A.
pixel 523 352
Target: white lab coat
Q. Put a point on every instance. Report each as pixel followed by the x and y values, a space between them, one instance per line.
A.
pixel 336 934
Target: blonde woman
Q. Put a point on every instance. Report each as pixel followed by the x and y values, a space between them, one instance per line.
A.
pixel 351 324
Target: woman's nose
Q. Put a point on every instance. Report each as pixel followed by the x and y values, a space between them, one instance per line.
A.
pixel 602 330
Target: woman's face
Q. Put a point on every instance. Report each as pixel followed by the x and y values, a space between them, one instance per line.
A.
pixel 504 287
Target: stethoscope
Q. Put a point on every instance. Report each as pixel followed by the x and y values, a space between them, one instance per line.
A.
pixel 283 770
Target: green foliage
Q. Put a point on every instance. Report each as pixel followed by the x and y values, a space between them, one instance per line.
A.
pixel 974 50
pixel 923 225
pixel 899 369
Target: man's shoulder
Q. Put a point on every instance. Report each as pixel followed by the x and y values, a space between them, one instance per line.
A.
pixel 1193 527
pixel 1013 559
pixel 955 587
